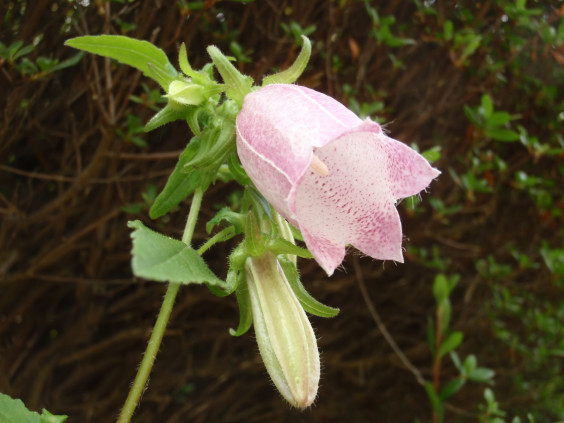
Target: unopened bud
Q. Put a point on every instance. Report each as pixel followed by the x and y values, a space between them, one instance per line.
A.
pixel 182 93
pixel 284 334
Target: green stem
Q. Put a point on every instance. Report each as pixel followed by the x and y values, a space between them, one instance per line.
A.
pixel 221 236
pixel 140 382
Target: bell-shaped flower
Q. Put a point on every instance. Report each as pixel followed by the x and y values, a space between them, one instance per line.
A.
pixel 334 176
pixel 284 334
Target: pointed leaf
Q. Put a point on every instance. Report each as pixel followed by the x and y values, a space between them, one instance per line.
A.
pixel 310 304
pixel 451 342
pixel 180 183
pixel 136 53
pixel 160 258
pixel 291 74
pixel 451 388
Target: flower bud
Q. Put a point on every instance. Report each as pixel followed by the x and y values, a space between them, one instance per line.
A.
pixel 182 93
pixel 284 334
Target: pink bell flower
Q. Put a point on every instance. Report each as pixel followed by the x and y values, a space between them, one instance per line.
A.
pixel 334 176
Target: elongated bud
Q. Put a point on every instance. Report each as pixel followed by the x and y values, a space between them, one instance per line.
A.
pixel 284 334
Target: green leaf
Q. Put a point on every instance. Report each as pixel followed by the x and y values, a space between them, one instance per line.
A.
pixel 14 411
pixel 451 388
pixel 72 61
pixel 245 310
pixel 440 288
pixel 502 134
pixel 310 304
pixel 291 74
pixel 160 258
pixel 139 54
pixel 481 374
pixel 47 417
pixel 451 342
pixel 180 183
pixel 436 401
pixel 487 106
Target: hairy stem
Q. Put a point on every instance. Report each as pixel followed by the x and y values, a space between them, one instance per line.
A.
pixel 140 382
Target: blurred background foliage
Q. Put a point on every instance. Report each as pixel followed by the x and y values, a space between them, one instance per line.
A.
pixel 474 315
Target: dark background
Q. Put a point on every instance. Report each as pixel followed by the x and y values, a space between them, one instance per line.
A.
pixel 74 321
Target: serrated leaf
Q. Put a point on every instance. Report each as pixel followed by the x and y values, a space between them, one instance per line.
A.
pixel 160 258
pixel 136 53
pixel 451 342
pixel 310 304
pixel 14 411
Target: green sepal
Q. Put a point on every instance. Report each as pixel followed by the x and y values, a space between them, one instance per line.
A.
pixel 238 85
pixel 253 240
pixel 237 170
pixel 139 54
pixel 164 259
pixel 281 246
pixel 183 61
pixel 166 115
pixel 245 309
pixel 292 74
pixel 236 271
pixel 180 183
pixel 236 219
pixel 310 304
pixel 258 201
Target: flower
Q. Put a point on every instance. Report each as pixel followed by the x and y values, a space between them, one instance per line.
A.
pixel 284 334
pixel 334 176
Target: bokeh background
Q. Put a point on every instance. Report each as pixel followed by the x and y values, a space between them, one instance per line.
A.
pixel 478 85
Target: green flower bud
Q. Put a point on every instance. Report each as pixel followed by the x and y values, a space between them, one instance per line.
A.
pixel 284 334
pixel 182 93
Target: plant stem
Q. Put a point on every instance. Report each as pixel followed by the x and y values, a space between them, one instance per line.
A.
pixel 140 382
